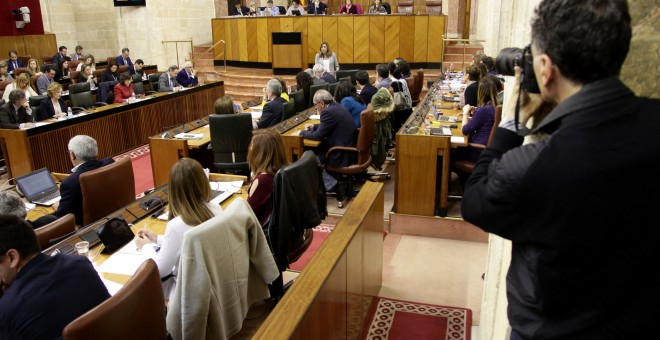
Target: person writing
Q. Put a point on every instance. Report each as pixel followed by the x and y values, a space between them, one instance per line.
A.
pixel 579 270
pixel 317 7
pixel 167 81
pixel 16 113
pixel 295 6
pixel 124 89
pixel 189 196
pixel 125 59
pixel 265 157
pixel 54 106
pixel 41 294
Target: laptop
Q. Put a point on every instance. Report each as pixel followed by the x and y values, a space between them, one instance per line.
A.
pixel 38 187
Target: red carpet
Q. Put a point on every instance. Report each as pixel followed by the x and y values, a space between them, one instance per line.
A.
pixel 320 234
pixel 141 161
pixel 396 319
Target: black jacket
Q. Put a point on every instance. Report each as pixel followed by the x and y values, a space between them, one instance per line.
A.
pixel 337 128
pixel 581 209
pixel 10 118
pixel 272 113
pixel 71 201
pixel 47 110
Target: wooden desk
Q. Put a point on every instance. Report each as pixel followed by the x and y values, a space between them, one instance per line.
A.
pixel 117 128
pixel 357 39
pixel 140 219
pixel 422 162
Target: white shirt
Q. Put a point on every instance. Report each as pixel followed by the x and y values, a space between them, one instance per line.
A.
pixel 167 259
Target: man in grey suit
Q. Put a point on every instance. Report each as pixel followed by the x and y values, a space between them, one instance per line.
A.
pixel 45 79
pixel 16 114
pixel 167 81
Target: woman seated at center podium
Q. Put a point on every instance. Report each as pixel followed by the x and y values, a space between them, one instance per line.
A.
pixel 296 8
pixel 348 8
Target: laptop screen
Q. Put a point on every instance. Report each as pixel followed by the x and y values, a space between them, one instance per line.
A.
pixel 36 183
pixel 295 12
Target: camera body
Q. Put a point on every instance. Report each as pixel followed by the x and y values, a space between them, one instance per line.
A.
pixel 510 57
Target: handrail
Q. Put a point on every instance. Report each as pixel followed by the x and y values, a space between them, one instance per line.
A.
pixel 176 46
pixel 224 52
pixel 463 41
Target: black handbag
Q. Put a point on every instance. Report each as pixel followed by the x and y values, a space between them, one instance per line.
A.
pixel 114 234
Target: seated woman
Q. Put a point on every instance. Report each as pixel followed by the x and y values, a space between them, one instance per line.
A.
pixel 265 156
pixel 225 106
pixel 189 196
pixel 377 7
pixel 296 6
pixel 348 8
pixel 110 73
pixel 303 82
pixel 4 74
pixel 87 75
pixel 347 96
pixel 53 106
pixel 62 71
pixel 124 89
pixel 89 60
pixel 22 82
pixel 471 79
pixel 33 68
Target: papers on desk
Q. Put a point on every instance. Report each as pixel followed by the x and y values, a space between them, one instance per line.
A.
pixel 184 135
pixel 457 139
pixel 227 188
pixel 125 261
pixel 315 117
pixel 256 111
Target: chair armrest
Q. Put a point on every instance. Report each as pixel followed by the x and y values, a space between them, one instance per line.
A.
pixel 100 104
pixel 226 177
pixel 58 177
pixel 340 148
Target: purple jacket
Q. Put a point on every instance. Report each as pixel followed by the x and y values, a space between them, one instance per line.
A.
pixel 480 125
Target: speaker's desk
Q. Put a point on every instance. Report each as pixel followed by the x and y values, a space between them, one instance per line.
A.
pixel 117 128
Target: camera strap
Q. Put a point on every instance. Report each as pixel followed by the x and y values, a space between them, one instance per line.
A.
pixel 517 115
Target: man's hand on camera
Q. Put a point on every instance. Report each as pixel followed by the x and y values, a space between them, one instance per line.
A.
pixel 529 102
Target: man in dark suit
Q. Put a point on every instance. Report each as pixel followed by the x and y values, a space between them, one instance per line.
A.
pixel 319 73
pixel 83 152
pixel 188 75
pixel 13 62
pixel 272 112
pixel 317 8
pixel 337 128
pixel 16 114
pixel 364 85
pixel 12 204
pixel 239 9
pixel 124 59
pixel 167 81
pixel 41 294
pixel 61 55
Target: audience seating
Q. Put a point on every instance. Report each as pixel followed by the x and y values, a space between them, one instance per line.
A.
pixel 33 83
pixel 73 65
pixel 35 104
pixel 230 140
pixel 468 166
pixel 136 311
pixel 333 87
pixel 299 98
pixel 25 58
pixel 74 76
pixel 138 85
pixel 312 92
pixel 153 81
pixel 289 109
pixel 18 71
pixel 341 74
pixel 47 59
pixel 81 96
pixel 97 74
pixel 405 7
pixel 107 189
pixel 433 7
pixel 4 83
pixel 418 81
pixel 121 69
pixel 56 229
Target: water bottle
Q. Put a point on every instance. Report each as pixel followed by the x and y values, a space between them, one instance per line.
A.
pixel 69 112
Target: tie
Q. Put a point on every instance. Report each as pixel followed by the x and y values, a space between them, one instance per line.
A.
pixel 15 65
pixel 171 82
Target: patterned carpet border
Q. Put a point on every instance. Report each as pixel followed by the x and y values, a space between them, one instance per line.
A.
pixel 135 153
pixel 459 320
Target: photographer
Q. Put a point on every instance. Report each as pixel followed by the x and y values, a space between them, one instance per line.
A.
pixel 580 267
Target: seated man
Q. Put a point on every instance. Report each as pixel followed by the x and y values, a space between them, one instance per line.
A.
pixel 139 64
pixel 317 7
pixel 188 75
pixel 273 10
pixel 364 85
pixel 14 63
pixel 62 54
pixel 383 79
pixel 124 59
pixel 167 81
pixel 320 73
pixel 16 113
pixel 82 152
pixel 12 204
pixel 41 294
pixel 47 78
pixel 337 128
pixel 239 9
pixel 272 112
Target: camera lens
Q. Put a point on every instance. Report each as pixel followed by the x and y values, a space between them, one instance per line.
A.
pixel 507 59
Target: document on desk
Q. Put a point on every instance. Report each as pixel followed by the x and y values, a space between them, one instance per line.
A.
pixel 227 189
pixel 184 135
pixel 125 261
pixel 457 139
pixel 315 117
pixel 256 111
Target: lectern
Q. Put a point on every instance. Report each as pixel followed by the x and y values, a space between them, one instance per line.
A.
pixel 288 56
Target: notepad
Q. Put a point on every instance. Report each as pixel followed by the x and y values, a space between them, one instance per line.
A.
pixel 315 117
pixel 189 136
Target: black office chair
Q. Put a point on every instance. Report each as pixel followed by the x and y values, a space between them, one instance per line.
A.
pixel 388 8
pixel 289 109
pixel 346 73
pixel 312 92
pixel 230 140
pixel 105 92
pixel 153 81
pixel 299 98
pixel 332 87
pixel 35 104
pixel 81 96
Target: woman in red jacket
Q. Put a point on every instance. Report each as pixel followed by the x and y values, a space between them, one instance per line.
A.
pixel 124 89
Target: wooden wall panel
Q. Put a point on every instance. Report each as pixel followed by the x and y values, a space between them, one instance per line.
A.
pixel 242 40
pixel 361 42
pixel 376 39
pixel 263 41
pixel 406 38
pixel 314 37
pixel 234 44
pixel 9 43
pixel 392 28
pixel 437 28
pixel 286 24
pixel 330 31
pixel 37 45
pixel 421 39
pixel 252 42
pixel 218 32
pixel 345 39
pixel 300 25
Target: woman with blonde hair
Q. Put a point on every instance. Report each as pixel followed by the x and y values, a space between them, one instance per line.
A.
pixel 327 58
pixel 89 60
pixel 4 74
pixel 22 82
pixel 33 68
pixel 189 196
pixel 265 156
pixel 53 106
